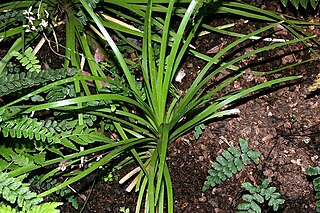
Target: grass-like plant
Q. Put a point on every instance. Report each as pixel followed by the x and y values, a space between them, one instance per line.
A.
pixel 147 119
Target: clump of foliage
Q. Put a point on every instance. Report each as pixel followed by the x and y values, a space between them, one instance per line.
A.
pixel 315 171
pixel 259 195
pixel 229 163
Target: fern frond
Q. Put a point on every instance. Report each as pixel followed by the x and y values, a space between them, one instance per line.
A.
pixel 51 132
pixel 37 183
pixel 7 209
pixel 81 135
pixel 229 163
pixel 13 158
pixel 25 127
pixel 28 60
pixel 46 207
pixel 14 191
pixel 43 208
pixel 10 83
pixel 259 194
pixel 11 17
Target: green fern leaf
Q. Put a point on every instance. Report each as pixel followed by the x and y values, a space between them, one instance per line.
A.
pixel 39 158
pixel 243 145
pixel 254 156
pixel 258 198
pixel 247 198
pixel 228 163
pixel 222 161
pixel 260 194
pixel 238 164
pixel 234 151
pixel 13 190
pixel 28 59
pixel 304 3
pixel 11 83
pixel 67 143
pixel 7 209
pixel 265 183
pixel 46 208
pixel 243 206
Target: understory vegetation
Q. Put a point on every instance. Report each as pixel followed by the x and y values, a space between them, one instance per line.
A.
pixel 111 99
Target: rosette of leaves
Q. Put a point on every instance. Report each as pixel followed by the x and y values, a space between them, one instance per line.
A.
pixel 259 195
pixel 315 172
pixel 229 163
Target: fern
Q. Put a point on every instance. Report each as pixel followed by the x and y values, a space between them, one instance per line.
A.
pixel 198 130
pixel 68 135
pixel 12 158
pixel 14 191
pixel 43 208
pixel 259 195
pixel 60 92
pixel 13 17
pixel 315 171
pixel 50 183
pixel 28 60
pixel 304 3
pixel 25 127
pixel 229 163
pixel 10 83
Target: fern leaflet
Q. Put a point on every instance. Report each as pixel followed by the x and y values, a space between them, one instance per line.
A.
pixel 229 163
pixel 259 195
pixel 28 60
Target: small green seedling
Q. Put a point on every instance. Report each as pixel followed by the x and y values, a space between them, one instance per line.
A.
pixel 198 131
pixel 124 210
pixel 229 163
pixel 259 195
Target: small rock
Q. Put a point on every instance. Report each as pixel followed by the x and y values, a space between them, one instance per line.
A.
pixel 203 198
